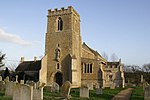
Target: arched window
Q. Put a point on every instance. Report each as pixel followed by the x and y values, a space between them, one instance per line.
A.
pixel 60 24
pixel 58 66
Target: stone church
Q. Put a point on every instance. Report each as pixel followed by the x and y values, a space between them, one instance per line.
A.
pixel 67 58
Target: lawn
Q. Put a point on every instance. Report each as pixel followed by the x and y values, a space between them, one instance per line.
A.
pixel 3 97
pixel 107 94
pixel 137 94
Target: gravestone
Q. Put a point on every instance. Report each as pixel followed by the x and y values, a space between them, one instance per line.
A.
pixel 65 92
pixel 47 88
pixel 147 93
pixel 2 86
pixel 38 84
pixel 112 86
pixel 6 79
pixel 9 88
pixel 21 81
pixel 99 91
pixel 90 86
pixel 16 78
pixel 142 79
pixel 38 94
pixel 84 92
pixel 23 92
pixel 1 78
pixel 31 83
pixel 55 87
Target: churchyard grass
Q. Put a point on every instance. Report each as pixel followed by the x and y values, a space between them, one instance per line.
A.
pixel 137 94
pixel 3 97
pixel 107 94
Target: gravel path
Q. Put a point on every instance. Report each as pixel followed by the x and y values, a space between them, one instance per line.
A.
pixel 123 95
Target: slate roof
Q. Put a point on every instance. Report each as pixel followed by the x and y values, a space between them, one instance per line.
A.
pixel 113 63
pixel 29 66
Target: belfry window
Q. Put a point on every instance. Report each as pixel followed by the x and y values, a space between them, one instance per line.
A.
pixel 60 24
pixel 58 66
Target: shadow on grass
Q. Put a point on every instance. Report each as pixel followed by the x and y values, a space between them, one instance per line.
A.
pixel 108 94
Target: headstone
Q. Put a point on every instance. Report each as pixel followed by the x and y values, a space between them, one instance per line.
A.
pixel 55 87
pixel 147 93
pixel 134 85
pixel 142 79
pixel 99 91
pixel 21 81
pixel 23 92
pixel 47 88
pixel 38 94
pixel 6 79
pixel 84 92
pixel 2 86
pixel 37 84
pixel 16 78
pixel 31 83
pixel 65 92
pixel 90 86
pixel 112 86
pixel 9 88
pixel 1 78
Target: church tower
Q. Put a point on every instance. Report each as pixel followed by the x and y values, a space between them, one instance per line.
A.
pixel 63 47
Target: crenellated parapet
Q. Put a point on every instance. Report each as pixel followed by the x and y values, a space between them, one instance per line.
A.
pixel 62 11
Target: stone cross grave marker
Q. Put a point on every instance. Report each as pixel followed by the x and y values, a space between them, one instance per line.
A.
pixel 65 92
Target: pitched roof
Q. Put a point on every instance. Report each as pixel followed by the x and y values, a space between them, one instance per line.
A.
pixel 84 45
pixel 29 66
pixel 113 63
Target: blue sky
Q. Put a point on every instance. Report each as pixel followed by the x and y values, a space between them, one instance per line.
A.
pixel 111 26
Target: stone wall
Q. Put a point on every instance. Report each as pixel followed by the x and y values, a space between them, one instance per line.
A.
pixel 43 71
pixel 69 41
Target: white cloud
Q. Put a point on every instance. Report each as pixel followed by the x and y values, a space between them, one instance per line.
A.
pixel 8 37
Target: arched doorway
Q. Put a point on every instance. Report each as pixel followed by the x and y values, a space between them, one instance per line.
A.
pixel 59 78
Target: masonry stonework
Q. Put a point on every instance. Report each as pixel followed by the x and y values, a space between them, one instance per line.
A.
pixel 67 59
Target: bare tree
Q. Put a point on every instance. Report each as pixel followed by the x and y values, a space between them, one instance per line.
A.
pixel 12 66
pixel 113 57
pixel 2 57
pixel 105 55
pixel 146 67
